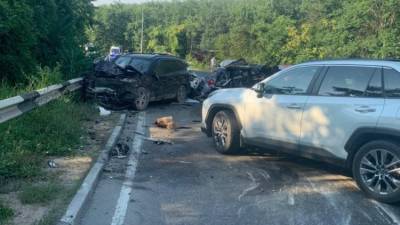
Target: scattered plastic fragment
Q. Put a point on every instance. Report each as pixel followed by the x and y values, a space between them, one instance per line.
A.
pixel 160 141
pixel 51 164
pixel 104 112
pixel 189 100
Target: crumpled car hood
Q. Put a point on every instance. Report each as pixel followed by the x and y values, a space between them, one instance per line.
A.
pixel 105 69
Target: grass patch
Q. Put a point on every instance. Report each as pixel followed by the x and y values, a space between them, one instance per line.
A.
pixel 27 141
pixel 40 193
pixel 196 65
pixel 42 78
pixel 52 130
pixel 6 213
pixel 50 219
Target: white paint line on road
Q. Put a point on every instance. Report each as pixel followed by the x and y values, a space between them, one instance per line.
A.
pixel 388 211
pixel 81 197
pixel 126 190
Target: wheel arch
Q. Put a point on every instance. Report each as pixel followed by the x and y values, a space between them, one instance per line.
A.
pixel 216 108
pixel 364 135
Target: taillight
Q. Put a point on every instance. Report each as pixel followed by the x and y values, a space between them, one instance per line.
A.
pixel 211 82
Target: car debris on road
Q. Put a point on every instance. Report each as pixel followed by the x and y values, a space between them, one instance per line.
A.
pixel 120 150
pixel 239 73
pixel 104 112
pixel 165 122
pixel 159 141
pixel 230 74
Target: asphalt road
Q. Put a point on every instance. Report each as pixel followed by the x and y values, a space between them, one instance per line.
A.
pixel 188 183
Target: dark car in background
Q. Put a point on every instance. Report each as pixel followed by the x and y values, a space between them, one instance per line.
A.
pixel 137 79
pixel 239 73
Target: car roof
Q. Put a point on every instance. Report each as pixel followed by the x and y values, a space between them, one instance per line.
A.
pixel 365 62
pixel 153 56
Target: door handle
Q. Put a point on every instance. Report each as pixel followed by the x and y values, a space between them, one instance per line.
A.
pixel 293 106
pixel 365 109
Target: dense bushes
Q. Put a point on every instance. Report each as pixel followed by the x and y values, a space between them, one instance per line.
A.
pixel 272 32
pixel 42 32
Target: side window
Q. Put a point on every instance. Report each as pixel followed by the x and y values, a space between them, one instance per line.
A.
pixel 180 66
pixel 167 66
pixel 176 66
pixel 292 82
pixel 142 65
pixel 345 81
pixel 374 88
pixel 161 68
pixel 392 83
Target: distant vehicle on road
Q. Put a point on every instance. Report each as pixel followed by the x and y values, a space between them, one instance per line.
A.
pixel 344 111
pixel 115 52
pixel 137 79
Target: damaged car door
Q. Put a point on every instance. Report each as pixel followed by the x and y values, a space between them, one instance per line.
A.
pixel 170 74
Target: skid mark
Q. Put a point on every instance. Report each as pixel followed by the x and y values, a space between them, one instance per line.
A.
pixel 253 185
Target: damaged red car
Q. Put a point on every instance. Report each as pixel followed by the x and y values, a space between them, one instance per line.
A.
pixel 134 80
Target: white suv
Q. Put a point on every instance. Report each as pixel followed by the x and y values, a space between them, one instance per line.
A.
pixel 346 112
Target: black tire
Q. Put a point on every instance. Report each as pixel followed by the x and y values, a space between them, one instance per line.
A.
pixel 142 99
pixel 373 170
pixel 181 94
pixel 229 142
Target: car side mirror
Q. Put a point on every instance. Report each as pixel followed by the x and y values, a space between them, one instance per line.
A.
pixel 260 90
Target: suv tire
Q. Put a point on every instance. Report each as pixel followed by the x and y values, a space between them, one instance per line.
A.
pixel 376 169
pixel 225 132
pixel 142 98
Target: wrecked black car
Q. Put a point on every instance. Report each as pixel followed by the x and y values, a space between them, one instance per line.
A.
pixel 238 73
pixel 137 79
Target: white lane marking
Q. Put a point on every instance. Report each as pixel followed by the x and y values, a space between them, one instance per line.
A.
pixel 388 211
pixel 126 190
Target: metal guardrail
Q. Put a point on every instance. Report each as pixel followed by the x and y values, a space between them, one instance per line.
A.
pixel 18 105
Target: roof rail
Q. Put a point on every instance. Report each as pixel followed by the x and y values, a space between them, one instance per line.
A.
pixel 151 53
pixel 353 58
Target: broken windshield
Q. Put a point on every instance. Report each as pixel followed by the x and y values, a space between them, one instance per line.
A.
pixel 123 61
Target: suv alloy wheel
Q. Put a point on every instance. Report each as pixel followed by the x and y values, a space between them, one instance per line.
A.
pixel 225 132
pixel 376 169
pixel 142 99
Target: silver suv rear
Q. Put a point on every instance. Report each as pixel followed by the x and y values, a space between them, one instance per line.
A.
pixel 346 112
